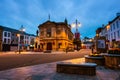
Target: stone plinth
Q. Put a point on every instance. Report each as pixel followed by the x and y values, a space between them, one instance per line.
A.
pixel 82 69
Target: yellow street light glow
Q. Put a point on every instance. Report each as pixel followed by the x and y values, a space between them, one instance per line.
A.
pixel 18 35
pixel 73 25
pixel 79 25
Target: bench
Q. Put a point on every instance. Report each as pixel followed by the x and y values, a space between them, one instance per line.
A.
pixel 82 68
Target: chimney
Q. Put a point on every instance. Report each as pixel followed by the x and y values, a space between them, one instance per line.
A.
pixel 117 14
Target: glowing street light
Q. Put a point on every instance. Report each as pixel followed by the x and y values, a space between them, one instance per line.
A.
pixel 18 35
pixel 22 29
pixel 76 24
pixel 77 40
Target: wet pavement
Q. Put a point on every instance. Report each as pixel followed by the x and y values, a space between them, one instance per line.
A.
pixel 48 72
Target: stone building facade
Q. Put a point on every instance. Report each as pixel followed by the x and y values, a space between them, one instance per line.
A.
pixel 9 39
pixel 55 36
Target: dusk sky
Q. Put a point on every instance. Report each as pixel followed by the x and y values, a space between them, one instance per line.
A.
pixel 30 13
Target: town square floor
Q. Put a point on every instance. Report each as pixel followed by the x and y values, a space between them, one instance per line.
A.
pixel 47 71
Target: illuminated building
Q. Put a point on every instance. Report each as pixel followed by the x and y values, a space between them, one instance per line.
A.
pixel 55 36
pixel 12 38
pixel 112 32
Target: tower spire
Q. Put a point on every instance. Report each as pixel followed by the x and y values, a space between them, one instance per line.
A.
pixel 66 21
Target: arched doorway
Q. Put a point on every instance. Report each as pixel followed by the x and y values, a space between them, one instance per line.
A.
pixel 49 46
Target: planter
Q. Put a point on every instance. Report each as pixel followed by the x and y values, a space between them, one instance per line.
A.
pixel 112 61
pixel 99 60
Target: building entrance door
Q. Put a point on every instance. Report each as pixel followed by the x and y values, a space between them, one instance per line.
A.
pixel 49 46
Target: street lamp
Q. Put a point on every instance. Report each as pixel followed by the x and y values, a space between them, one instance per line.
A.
pixel 77 40
pixel 18 35
pixel 22 30
pixel 76 24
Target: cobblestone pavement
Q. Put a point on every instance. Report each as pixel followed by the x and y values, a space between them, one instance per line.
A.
pixel 48 72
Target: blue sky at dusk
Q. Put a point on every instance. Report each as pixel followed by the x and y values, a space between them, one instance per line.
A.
pixel 30 13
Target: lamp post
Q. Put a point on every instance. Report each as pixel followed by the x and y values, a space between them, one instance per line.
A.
pixel 18 35
pixel 77 34
pixel 22 30
pixel 76 24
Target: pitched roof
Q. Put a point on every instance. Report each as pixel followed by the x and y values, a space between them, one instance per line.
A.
pixel 51 22
pixel 14 30
pixel 118 17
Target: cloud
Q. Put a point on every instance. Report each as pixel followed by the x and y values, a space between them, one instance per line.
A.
pixel 90 13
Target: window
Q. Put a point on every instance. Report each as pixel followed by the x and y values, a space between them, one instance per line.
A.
pixel 58 31
pixel 59 44
pixel 9 41
pixel 111 36
pixel 5 41
pixel 5 34
pixel 113 26
pixel 114 35
pixel 8 34
pixel 117 24
pixel 42 33
pixel 13 34
pixel 49 32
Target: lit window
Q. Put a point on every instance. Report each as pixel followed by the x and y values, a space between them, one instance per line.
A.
pixel 59 44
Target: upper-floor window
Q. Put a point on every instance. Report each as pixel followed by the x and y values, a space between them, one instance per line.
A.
pixel 42 33
pixel 8 34
pixel 58 31
pixel 111 36
pixel 111 28
pixel 49 32
pixel 114 26
pixel 5 34
pixel 117 24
